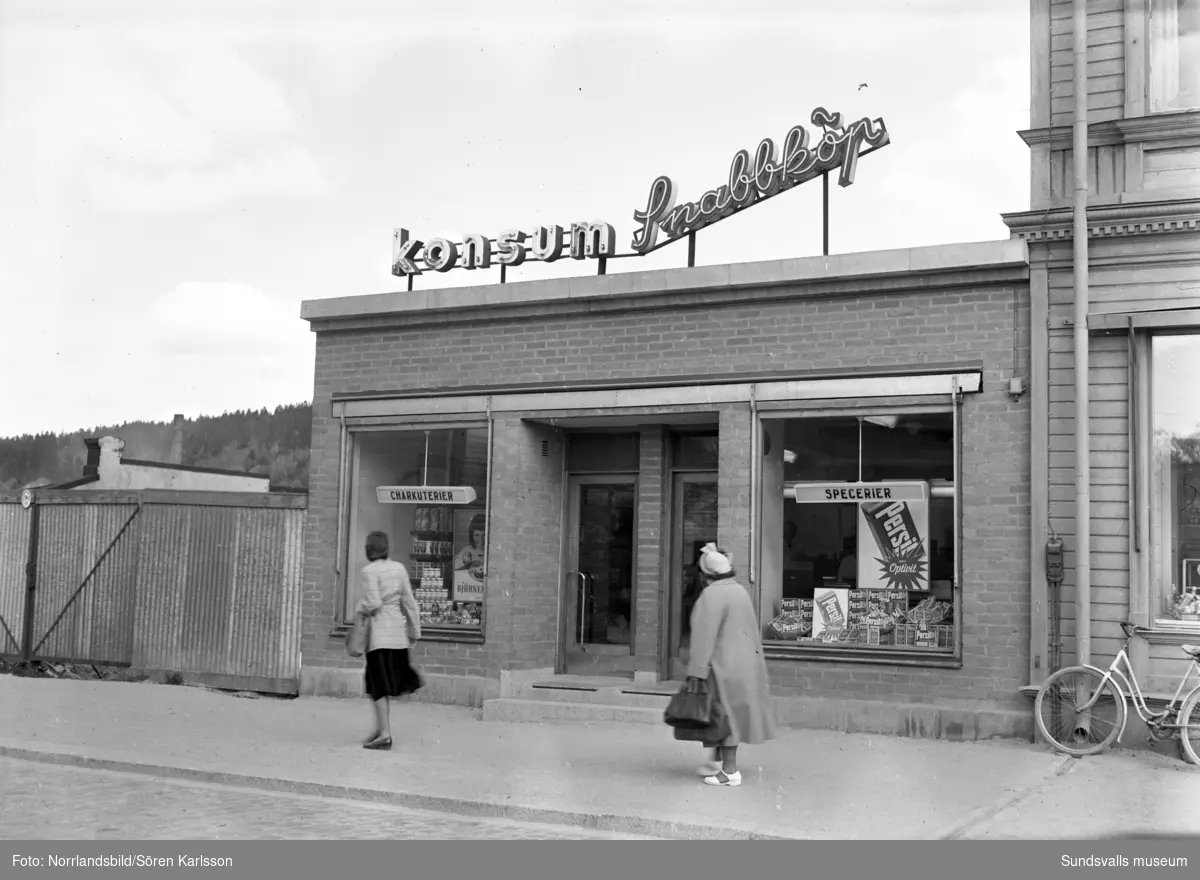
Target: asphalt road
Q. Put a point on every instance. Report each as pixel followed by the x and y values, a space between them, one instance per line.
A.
pixel 48 802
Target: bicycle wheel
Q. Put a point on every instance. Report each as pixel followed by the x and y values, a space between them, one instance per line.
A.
pixel 1189 728
pixel 1064 726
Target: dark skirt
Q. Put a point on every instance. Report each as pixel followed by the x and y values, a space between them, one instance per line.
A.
pixel 389 674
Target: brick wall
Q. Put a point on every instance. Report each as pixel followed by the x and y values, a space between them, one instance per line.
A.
pixel 527 517
pixel 652 537
pixel 878 330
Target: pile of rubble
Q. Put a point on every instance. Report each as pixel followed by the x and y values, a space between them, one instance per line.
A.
pixel 77 671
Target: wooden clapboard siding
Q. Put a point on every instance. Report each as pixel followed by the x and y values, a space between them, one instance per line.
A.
pixel 1106 172
pixel 1108 412
pixel 1106 62
pixel 1167 665
pixel 1171 168
pixel 1172 281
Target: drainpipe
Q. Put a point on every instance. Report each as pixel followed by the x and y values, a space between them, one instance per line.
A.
pixel 1083 521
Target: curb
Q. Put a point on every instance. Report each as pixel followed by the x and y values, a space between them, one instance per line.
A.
pixel 959 829
pixel 455 806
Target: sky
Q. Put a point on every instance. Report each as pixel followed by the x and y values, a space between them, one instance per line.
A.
pixel 176 178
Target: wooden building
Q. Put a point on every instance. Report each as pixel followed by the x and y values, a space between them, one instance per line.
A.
pixel 1138 291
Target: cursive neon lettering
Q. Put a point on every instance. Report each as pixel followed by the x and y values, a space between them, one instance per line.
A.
pixel 768 173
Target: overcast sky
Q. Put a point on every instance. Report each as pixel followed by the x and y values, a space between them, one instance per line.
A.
pixel 177 178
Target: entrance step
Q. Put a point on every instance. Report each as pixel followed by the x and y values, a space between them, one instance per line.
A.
pixel 578 698
pixel 512 709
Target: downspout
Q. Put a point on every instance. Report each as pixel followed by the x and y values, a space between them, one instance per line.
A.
pixel 1083 522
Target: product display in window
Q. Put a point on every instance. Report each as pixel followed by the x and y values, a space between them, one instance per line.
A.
pixel 437 569
pixel 865 617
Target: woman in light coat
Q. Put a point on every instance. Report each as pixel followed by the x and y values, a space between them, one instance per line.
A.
pixel 387 598
pixel 726 652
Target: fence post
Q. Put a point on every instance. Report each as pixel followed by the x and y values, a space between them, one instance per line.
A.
pixel 30 583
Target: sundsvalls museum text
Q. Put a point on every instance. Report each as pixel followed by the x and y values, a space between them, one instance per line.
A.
pixel 124 860
pixel 1122 861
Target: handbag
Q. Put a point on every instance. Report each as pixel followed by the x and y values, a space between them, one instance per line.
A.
pixel 716 731
pixel 359 635
pixel 689 710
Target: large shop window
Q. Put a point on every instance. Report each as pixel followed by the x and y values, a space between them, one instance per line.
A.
pixel 1175 478
pixel 440 537
pixel 859 553
pixel 1174 55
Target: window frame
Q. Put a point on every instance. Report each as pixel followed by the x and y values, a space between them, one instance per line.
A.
pixel 1151 58
pixel 1159 572
pixel 352 431
pixel 858 653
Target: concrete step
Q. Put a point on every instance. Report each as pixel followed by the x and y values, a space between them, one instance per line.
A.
pixel 516 709
pixel 613 696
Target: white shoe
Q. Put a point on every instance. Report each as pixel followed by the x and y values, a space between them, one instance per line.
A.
pixel 711 768
pixel 723 778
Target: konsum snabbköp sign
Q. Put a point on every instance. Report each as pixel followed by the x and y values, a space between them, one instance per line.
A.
pixel 752 178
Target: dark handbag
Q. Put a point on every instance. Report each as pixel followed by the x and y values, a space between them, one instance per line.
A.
pixel 689 710
pixel 715 732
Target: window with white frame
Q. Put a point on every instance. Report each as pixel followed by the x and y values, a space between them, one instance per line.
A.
pixel 1175 478
pixel 1174 55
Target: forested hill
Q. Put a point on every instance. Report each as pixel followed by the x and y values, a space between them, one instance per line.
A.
pixel 275 444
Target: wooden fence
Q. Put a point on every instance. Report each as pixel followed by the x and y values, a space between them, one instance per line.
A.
pixel 205 584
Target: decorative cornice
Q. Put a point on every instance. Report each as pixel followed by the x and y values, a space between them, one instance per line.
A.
pixel 1126 219
pixel 1139 129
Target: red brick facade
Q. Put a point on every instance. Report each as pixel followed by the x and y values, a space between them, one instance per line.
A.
pixel 833 326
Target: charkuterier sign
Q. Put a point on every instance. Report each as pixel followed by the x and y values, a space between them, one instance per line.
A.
pixel 752 179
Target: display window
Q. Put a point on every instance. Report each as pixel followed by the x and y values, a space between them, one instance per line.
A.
pixel 858 524
pixel 427 491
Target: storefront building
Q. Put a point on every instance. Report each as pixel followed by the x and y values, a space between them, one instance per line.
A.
pixel 1134 299
pixel 548 456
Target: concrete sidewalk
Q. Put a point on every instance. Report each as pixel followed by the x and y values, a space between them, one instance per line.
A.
pixel 629 778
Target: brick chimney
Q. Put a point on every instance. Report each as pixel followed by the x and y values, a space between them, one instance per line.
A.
pixel 176 456
pixel 92 467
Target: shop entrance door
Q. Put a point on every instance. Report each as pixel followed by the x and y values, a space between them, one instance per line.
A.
pixel 596 636
pixel 693 524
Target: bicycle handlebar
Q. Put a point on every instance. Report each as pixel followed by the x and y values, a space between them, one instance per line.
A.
pixel 1130 629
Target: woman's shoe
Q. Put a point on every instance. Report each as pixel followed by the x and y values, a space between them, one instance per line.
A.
pixel 710 768
pixel 372 737
pixel 723 778
pixel 382 743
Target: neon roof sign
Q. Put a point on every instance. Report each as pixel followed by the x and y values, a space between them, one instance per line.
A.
pixel 751 179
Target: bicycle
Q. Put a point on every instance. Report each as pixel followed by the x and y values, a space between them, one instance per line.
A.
pixel 1080 696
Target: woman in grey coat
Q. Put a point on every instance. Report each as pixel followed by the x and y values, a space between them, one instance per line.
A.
pixel 726 652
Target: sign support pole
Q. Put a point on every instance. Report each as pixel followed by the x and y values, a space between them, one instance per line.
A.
pixel 825 214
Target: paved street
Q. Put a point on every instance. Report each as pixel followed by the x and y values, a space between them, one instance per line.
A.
pixel 47 802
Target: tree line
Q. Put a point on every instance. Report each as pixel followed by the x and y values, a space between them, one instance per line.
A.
pixel 270 443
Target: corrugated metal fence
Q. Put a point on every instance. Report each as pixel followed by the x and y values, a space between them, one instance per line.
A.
pixel 206 584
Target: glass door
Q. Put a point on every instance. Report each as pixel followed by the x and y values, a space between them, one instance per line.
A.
pixel 693 524
pixel 598 587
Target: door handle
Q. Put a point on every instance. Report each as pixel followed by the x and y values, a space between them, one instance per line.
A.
pixel 584 596
pixel 581 597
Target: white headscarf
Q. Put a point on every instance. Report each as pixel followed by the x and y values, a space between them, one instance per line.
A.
pixel 713 562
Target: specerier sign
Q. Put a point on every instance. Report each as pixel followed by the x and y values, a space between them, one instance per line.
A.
pixel 751 179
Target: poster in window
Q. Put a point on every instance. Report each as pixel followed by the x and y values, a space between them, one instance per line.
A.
pixel 470 537
pixel 831 613
pixel 893 545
